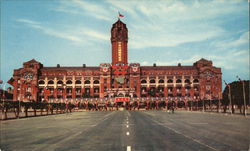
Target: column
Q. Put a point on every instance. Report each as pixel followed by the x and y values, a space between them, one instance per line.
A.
pixel 101 87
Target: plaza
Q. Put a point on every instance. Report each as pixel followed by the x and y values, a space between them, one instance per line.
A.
pixel 127 130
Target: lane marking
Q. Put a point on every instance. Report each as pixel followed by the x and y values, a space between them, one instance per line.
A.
pixel 128 148
pixel 193 139
pixel 128 113
pixel 163 123
pixel 127 126
pixel 75 132
pixel 198 123
pixel 127 122
pixel 127 133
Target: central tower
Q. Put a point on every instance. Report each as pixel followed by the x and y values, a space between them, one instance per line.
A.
pixel 119 40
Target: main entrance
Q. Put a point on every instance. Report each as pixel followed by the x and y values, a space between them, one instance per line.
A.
pixel 122 102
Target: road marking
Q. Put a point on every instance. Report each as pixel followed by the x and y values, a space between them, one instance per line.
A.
pixel 129 114
pixel 163 123
pixel 193 139
pixel 128 148
pixel 198 123
pixel 127 126
pixel 127 122
pixel 127 133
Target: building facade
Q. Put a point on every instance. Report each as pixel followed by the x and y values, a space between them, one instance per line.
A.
pixel 116 79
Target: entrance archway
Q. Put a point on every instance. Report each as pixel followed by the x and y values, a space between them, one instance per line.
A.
pixel 120 95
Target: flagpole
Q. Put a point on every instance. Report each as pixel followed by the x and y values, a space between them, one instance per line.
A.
pixel 230 100
pixel 244 96
pixel 229 96
pixel 220 96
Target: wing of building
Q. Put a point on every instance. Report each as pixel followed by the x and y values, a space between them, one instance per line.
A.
pixel 119 78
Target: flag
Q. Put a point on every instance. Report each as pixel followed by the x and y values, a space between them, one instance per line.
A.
pixel 120 15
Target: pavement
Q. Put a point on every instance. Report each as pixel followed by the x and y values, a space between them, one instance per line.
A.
pixel 127 131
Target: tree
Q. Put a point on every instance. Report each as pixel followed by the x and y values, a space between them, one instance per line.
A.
pixel 237 98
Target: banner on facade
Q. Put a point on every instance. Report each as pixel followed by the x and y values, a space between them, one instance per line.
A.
pixel 122 99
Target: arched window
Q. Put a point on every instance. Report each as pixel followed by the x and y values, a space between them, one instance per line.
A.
pixel 96 82
pixel 41 82
pixel 60 82
pixel 187 81
pixel 143 81
pixel 51 82
pixel 161 81
pixel 170 81
pixel 178 81
pixel 69 82
pixel 152 81
pixel 87 82
pixel 78 82
pixel 196 81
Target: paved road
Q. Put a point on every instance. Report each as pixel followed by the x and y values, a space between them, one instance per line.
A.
pixel 127 130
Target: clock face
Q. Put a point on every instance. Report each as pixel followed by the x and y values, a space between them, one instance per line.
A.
pixel 135 68
pixel 28 76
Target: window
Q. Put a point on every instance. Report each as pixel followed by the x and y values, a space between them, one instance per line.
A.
pixel 78 82
pixel 96 82
pixel 59 82
pixel 196 81
pixel 68 90
pixel 87 82
pixel 161 81
pixel 178 81
pixel 143 81
pixel 78 90
pixel 170 81
pixel 69 82
pixel 41 82
pixel 51 82
pixel 187 81
pixel 152 81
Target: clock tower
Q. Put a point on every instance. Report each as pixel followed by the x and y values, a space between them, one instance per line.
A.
pixel 119 40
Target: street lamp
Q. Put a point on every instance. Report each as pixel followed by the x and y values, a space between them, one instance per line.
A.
pixel 220 96
pixel 244 96
pixel 230 99
pixel 210 99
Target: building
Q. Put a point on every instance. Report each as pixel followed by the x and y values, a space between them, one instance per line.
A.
pixel 35 82
pixel 6 94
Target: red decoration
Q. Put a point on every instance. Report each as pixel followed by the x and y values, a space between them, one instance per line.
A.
pixel 120 70
pixel 120 15
pixel 121 99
